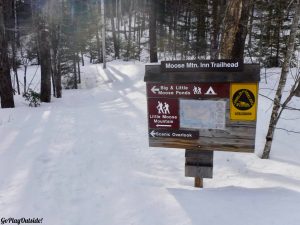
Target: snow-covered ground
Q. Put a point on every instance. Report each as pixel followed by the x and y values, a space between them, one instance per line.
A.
pixel 84 159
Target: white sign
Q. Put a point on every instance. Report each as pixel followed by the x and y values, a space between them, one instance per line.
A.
pixel 202 114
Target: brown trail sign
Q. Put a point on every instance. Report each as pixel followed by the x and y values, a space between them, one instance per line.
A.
pixel 201 106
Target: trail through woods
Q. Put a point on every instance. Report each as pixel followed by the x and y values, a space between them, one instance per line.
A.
pixel 84 159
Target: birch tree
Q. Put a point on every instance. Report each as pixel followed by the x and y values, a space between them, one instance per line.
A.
pixel 278 107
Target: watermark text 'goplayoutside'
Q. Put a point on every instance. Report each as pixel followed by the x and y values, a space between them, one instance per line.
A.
pixel 21 220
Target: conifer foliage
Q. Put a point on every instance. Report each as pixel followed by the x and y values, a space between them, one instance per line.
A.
pixel 62 35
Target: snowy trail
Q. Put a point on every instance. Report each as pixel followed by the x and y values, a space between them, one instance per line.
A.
pixel 84 159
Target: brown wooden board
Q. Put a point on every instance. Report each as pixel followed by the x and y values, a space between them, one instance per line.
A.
pixel 188 90
pixel 163 113
pixel 238 136
pixel 153 73
pixel 198 171
pixel 199 158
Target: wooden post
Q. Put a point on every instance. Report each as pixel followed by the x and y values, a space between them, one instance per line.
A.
pixel 199 164
pixel 198 182
pixel 221 85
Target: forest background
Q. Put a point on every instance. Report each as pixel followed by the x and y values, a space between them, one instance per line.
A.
pixel 59 35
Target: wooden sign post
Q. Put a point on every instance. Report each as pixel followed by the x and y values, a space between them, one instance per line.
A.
pixel 202 106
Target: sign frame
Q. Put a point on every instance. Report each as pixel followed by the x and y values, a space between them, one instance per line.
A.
pixel 237 136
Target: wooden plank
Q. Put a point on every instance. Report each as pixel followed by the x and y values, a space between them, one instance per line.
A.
pixel 238 136
pixel 199 158
pixel 187 90
pixel 226 141
pixel 153 73
pixel 200 154
pixel 234 138
pixel 198 171
pixel 230 132
pixel 181 144
pixel 192 161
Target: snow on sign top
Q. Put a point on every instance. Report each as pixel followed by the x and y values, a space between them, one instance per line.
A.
pixel 228 65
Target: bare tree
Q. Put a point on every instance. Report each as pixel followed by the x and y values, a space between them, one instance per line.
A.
pixel 278 107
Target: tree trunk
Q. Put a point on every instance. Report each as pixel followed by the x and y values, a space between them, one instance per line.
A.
pixel 116 43
pixel 34 19
pixel 152 32
pixel 53 80
pixel 231 26
pixel 99 52
pixel 58 78
pixel 6 90
pixel 78 68
pixel 188 31
pixel 81 57
pixel 103 34
pixel 284 72
pixel 118 11
pixel 44 48
pixel 201 45
pixel 251 26
pixel 75 70
pixel 278 32
pixel 16 25
pixel 134 28
pixel 56 54
pixel 14 45
pixel 240 37
pixel 129 40
pixel 215 29
pixel 175 28
pixel 25 80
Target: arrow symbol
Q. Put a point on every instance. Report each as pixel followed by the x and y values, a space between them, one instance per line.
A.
pixel 163 125
pixel 153 133
pixel 154 89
